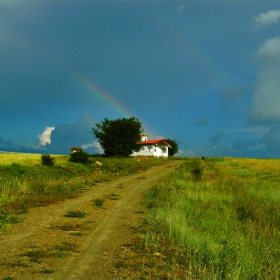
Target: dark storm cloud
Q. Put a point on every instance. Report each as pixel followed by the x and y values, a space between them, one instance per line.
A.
pixel 247 144
pixel 8 146
pixel 218 136
pixel 76 134
pixel 234 94
pixel 6 143
pixel 202 122
pixel 272 139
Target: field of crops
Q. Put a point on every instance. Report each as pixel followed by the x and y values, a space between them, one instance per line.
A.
pixel 215 219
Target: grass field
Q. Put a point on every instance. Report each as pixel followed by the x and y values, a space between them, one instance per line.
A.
pixel 25 182
pixel 217 218
pixel 224 224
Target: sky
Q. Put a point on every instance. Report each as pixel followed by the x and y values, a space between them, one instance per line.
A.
pixel 205 73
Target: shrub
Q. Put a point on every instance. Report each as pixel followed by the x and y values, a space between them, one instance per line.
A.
pixel 79 157
pixel 98 202
pixel 75 214
pixel 196 170
pixel 47 160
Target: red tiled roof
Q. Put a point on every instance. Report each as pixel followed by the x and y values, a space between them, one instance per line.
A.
pixel 155 141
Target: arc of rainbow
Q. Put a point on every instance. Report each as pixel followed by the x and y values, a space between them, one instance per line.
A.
pixel 86 83
pixel 104 96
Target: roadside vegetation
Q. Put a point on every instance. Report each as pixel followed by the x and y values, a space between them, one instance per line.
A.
pixel 28 180
pixel 213 219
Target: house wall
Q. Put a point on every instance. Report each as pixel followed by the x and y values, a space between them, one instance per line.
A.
pixel 152 150
pixel 161 151
pixel 145 151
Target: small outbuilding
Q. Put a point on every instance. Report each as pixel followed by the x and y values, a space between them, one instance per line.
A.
pixel 75 150
pixel 153 148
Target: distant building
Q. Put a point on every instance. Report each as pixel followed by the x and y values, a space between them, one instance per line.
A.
pixel 75 150
pixel 152 148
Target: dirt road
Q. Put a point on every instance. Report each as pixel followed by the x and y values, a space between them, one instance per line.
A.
pixel 48 245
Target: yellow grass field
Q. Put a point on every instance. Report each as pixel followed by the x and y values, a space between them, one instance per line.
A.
pixel 26 159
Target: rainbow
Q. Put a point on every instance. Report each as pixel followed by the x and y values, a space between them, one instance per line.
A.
pixel 92 88
pixel 107 98
pixel 85 83
pixel 101 94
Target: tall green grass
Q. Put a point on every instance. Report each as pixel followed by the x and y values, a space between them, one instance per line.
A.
pixel 226 225
pixel 26 182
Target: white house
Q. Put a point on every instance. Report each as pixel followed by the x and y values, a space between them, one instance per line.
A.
pixel 153 148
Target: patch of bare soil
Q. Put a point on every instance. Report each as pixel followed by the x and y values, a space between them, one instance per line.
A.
pixel 49 245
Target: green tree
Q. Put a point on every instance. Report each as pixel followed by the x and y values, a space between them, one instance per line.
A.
pixel 172 151
pixel 119 137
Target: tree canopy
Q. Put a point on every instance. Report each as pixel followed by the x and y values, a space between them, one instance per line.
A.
pixel 119 137
pixel 172 151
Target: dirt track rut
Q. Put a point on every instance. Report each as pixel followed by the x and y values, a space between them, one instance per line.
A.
pixel 90 246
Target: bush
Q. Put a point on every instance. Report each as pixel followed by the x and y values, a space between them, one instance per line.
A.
pixel 196 170
pixel 47 160
pixel 79 157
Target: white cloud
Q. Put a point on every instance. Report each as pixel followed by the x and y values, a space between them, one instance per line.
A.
pixel 45 137
pixel 266 96
pixel 180 8
pixel 265 19
pixel 270 49
pixel 95 145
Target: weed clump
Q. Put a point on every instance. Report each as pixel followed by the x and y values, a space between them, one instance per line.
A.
pixel 47 271
pixel 75 214
pixel 47 160
pixel 66 246
pixel 98 202
pixel 68 227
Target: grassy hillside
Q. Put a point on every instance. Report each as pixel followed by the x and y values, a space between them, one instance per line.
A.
pixel 224 224
pixel 25 182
